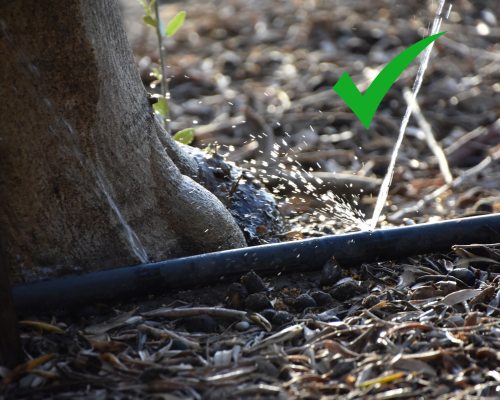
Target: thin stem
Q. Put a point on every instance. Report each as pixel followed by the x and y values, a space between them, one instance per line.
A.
pixel 163 80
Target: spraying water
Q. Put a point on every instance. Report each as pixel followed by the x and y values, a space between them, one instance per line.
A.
pixel 386 183
pixel 300 182
pixel 334 206
pixel 132 239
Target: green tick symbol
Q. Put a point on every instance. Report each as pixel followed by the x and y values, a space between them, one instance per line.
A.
pixel 365 105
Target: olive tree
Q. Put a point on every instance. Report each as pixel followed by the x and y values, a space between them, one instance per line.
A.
pixel 88 178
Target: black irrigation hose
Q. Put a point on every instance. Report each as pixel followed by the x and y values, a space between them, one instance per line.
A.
pixel 309 254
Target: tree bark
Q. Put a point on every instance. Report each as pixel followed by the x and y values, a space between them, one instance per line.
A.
pixel 85 182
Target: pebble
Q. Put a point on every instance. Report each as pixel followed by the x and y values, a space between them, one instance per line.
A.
pixel 465 275
pixel 345 290
pixel 268 369
pixel 322 299
pixel 257 302
pixel 342 368
pixel 235 295
pixel 178 345
pixel 268 313
pixel 282 318
pixel 454 321
pixel 489 17
pixel 253 282
pixel 201 323
pixel 242 326
pixel 304 301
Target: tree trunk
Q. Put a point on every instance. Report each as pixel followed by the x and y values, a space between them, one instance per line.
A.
pixel 85 181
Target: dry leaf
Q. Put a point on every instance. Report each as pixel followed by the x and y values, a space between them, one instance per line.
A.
pixel 460 296
pixel 20 370
pixel 43 326
pixel 382 379
pixel 115 322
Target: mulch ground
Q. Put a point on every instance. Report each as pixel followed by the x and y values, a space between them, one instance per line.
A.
pixel 255 78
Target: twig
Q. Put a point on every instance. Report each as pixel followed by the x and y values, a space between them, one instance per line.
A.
pixel 429 135
pixel 465 50
pixel 212 311
pixel 209 130
pixel 478 140
pixel 244 152
pixel 287 333
pixel 193 311
pixel 465 139
pixel 161 333
pixel 265 136
pixel 339 155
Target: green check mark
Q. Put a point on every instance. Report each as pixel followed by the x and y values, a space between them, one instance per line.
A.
pixel 365 105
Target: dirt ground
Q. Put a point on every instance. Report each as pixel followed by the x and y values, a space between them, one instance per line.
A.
pixel 255 78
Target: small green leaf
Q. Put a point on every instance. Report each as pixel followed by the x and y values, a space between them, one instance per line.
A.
pixel 161 106
pixel 144 5
pixel 156 73
pixel 175 23
pixel 147 7
pixel 149 20
pixel 186 136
